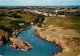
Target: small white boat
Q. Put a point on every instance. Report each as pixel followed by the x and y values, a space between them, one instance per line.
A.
pixel 31 39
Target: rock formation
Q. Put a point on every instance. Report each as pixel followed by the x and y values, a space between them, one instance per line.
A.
pixel 1 42
pixel 19 44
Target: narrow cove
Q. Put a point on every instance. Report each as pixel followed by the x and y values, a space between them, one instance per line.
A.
pixel 40 47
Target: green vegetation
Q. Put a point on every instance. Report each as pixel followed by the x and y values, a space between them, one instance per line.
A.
pixel 10 20
pixel 68 22
pixel 15 15
pixel 77 13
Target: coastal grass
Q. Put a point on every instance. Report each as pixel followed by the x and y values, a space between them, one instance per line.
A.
pixel 68 22
pixel 26 17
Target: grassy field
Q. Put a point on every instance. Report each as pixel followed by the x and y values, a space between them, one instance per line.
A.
pixel 12 15
pixel 68 22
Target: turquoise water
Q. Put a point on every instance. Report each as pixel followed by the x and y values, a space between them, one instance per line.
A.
pixel 40 47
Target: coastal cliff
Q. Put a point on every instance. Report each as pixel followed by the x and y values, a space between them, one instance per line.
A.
pixel 4 37
pixel 19 44
pixel 55 40
pixel 63 38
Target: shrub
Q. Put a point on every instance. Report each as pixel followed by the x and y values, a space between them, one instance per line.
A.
pixel 16 22
pixel 4 28
pixel 15 15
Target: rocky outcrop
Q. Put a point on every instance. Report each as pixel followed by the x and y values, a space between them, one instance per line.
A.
pixel 1 42
pixel 19 44
pixel 4 37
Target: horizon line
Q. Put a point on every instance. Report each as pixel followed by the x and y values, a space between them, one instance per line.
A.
pixel 41 6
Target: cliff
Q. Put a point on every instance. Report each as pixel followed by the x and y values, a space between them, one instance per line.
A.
pixel 67 39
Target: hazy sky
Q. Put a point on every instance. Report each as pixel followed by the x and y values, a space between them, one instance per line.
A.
pixel 39 2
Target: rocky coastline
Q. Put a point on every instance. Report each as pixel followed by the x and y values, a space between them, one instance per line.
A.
pixel 17 43
pixel 49 40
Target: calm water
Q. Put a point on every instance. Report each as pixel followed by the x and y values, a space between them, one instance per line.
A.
pixel 40 47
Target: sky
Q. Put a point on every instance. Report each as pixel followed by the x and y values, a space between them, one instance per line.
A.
pixel 39 2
